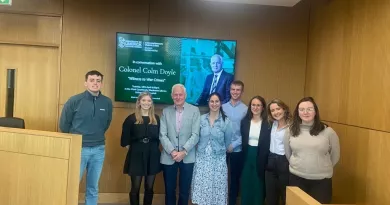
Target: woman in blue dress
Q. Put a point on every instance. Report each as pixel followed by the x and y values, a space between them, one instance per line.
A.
pixel 210 182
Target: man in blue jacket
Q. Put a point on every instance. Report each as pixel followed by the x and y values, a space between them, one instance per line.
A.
pixel 89 114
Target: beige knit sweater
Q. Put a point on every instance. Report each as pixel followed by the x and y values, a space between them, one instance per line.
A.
pixel 312 157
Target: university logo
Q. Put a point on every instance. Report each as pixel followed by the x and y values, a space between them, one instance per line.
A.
pixel 123 43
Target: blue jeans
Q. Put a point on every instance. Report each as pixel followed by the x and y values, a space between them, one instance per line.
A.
pixel 185 178
pixel 92 159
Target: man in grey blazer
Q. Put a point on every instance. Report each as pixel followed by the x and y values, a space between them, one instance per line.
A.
pixel 179 133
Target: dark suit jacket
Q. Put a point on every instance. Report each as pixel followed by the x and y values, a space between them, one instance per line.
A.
pixel 223 88
pixel 262 147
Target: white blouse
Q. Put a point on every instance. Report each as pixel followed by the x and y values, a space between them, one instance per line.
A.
pixel 254 133
pixel 277 136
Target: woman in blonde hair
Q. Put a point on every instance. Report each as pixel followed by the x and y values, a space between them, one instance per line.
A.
pixel 140 135
pixel 276 173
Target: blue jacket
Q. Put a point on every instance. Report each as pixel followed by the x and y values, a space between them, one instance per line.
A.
pixel 220 134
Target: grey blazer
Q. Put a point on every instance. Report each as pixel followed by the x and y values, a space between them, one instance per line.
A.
pixel 186 139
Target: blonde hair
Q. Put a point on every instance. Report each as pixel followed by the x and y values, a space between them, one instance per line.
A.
pixel 138 115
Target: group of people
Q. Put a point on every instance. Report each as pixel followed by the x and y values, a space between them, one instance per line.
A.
pixel 265 147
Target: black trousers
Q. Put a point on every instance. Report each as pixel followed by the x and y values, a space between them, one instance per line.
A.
pixel 235 163
pixel 320 190
pixel 276 179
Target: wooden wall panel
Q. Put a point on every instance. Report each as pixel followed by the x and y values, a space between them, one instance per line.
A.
pixel 48 7
pixel 369 71
pixel 329 51
pixel 347 62
pixel 350 175
pixel 89 38
pixel 348 74
pixel 361 175
pixel 30 29
pixel 271 41
pixel 378 179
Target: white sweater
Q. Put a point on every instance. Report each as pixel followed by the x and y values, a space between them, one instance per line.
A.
pixel 312 157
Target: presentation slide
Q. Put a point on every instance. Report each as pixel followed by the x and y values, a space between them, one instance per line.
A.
pixel 156 63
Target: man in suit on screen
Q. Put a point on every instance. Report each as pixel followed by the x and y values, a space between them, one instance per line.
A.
pixel 219 81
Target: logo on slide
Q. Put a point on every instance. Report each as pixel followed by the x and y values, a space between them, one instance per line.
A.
pixel 123 43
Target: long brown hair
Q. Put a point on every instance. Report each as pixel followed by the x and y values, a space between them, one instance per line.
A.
pixel 263 114
pixel 281 104
pixel 317 126
pixel 138 115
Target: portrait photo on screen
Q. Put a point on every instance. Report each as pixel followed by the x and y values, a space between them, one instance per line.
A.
pixel 156 63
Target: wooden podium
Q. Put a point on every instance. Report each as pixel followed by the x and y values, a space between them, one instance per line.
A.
pixel 295 196
pixel 38 167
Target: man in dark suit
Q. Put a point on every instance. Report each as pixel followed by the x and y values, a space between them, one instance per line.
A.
pixel 218 82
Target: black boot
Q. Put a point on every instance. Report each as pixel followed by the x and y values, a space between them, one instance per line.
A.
pixel 134 198
pixel 148 197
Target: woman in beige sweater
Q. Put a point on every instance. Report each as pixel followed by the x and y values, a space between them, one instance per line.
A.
pixel 312 149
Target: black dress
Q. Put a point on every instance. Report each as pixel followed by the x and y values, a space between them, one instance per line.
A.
pixel 143 157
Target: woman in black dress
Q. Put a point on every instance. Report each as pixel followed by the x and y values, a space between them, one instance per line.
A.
pixel 140 133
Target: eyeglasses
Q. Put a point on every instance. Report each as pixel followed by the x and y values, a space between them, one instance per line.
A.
pixel 310 109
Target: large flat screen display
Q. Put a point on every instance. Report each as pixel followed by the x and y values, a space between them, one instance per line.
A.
pixel 156 63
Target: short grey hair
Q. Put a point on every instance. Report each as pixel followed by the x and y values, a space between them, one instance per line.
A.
pixel 181 86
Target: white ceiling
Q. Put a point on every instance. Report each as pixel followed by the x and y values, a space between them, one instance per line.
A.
pixel 288 3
